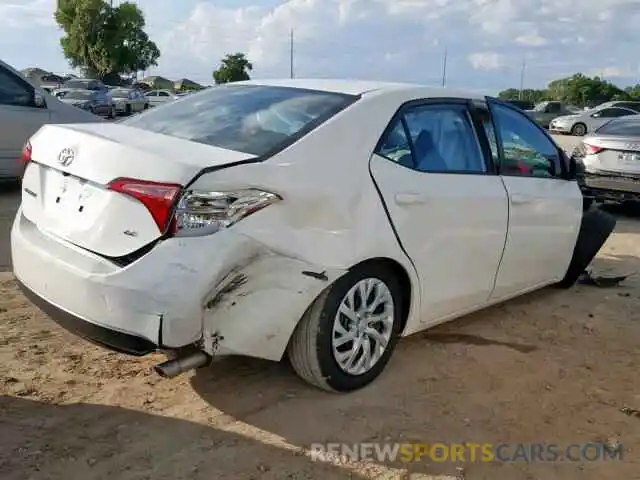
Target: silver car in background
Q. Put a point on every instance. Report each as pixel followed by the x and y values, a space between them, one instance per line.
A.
pixel 128 100
pixel 610 161
pixel 582 123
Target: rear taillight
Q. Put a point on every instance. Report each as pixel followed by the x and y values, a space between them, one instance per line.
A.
pixel 202 213
pixel 590 149
pixel 159 198
pixel 25 156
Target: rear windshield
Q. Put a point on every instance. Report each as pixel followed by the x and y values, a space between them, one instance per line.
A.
pixel 623 126
pixel 120 93
pixel 246 118
pixel 76 84
pixel 78 95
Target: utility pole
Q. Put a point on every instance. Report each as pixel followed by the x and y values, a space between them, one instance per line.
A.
pixel 444 69
pixel 291 53
pixel 524 66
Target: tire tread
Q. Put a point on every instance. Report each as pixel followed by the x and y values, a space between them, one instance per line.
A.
pixel 302 351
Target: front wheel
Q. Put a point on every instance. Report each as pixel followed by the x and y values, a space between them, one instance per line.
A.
pixel 579 130
pixel 346 337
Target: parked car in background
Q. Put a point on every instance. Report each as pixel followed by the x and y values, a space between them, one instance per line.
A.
pixel 587 121
pixel 128 100
pixel 546 111
pixel 227 200
pixel 24 108
pixel 94 101
pixel 61 92
pixel 143 87
pixel 85 84
pixel 159 97
pixel 522 104
pixel 622 104
pixel 610 157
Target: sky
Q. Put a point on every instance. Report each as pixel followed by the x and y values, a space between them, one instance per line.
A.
pixel 487 41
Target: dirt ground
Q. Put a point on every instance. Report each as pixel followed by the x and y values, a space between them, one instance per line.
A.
pixel 555 366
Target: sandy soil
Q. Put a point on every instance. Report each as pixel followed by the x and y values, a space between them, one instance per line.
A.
pixel 554 366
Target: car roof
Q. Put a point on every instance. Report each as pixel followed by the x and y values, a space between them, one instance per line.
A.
pixel 361 87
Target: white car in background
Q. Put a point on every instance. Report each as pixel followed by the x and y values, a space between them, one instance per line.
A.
pixel 160 97
pixel 582 123
pixel 276 231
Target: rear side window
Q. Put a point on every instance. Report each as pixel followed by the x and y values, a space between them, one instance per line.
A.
pixel 621 126
pixel 14 91
pixel 246 118
pixel 434 138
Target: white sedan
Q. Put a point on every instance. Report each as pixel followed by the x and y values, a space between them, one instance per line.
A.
pixel 582 123
pixel 318 219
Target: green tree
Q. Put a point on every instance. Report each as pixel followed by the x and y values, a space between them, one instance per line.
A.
pixel 103 41
pixel 233 68
pixel 579 89
pixel 529 94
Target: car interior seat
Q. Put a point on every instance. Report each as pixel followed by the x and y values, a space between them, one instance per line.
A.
pixel 428 157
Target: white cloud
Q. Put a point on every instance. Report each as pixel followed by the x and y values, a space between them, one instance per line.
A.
pixel 486 60
pixel 400 40
pixel 532 39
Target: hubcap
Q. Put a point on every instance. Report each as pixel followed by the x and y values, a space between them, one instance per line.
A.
pixel 362 327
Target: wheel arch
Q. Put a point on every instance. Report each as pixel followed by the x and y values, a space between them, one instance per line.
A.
pixel 401 273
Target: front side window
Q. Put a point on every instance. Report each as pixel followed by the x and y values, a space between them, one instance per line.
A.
pixel 442 139
pixel 527 151
pixel 554 108
pixel 246 118
pixel 13 91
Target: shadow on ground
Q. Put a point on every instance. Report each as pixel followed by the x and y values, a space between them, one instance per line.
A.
pixel 479 379
pixel 146 446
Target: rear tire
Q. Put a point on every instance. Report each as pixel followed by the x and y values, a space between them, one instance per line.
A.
pixel 312 349
pixel 127 110
pixel 594 231
pixel 579 130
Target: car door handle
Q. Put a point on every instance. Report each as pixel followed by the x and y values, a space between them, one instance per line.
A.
pixel 520 199
pixel 410 198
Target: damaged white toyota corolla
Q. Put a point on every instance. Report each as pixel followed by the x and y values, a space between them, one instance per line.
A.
pixel 315 219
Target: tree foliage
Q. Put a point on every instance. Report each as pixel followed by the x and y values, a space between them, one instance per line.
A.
pixel 578 89
pixel 233 68
pixel 105 41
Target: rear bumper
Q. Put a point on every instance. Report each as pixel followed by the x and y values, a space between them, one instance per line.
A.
pixel 225 289
pixel 102 336
pixel 610 185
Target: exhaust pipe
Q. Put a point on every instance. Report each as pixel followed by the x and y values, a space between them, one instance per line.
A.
pixel 177 366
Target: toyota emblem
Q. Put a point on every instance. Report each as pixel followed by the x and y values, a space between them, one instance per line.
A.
pixel 66 157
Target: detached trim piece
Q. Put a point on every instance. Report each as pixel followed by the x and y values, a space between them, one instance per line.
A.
pixel 104 337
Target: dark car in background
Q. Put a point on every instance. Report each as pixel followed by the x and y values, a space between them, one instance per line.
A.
pixel 522 104
pixel 94 101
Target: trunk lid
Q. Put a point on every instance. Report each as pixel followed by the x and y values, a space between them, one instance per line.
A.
pixel 71 199
pixel 620 154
